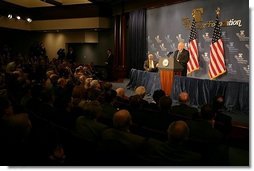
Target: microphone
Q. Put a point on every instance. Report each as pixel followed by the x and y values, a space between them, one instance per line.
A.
pixel 169 53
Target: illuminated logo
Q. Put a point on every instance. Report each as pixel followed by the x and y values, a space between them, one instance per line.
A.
pixel 230 69
pixel 206 57
pixel 224 36
pixel 168 39
pixel 247 69
pixel 231 47
pixel 179 38
pixel 242 36
pixel 158 40
pixel 153 48
pixel 163 47
pixel 157 54
pixel 240 59
pixel 197 14
pixel 207 38
pixel 173 46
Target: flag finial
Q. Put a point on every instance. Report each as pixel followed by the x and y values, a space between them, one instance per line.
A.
pixel 218 11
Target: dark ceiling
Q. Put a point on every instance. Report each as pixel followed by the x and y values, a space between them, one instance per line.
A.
pixel 98 8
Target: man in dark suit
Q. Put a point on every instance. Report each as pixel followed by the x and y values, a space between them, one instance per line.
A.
pixel 109 64
pixel 184 110
pixel 150 64
pixel 182 56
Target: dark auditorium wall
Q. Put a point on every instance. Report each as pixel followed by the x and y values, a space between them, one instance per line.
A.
pixel 21 41
pixel 172 23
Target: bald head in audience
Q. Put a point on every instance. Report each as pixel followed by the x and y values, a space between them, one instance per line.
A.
pixel 183 97
pixel 121 93
pixel 122 120
pixel 178 132
pixel 141 91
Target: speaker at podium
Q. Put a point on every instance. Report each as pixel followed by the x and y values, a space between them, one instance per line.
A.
pixel 168 67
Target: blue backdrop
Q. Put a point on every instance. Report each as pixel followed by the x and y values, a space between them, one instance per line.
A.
pixel 168 25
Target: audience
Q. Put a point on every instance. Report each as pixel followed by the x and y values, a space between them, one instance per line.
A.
pixel 45 104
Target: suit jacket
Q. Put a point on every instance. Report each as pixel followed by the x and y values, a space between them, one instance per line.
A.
pixel 185 111
pixel 109 61
pixel 146 66
pixel 223 122
pixel 183 60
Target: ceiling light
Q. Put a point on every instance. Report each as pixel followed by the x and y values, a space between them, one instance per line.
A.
pixel 29 20
pixel 9 16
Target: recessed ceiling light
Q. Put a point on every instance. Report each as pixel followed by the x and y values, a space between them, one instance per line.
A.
pixel 29 20
pixel 9 16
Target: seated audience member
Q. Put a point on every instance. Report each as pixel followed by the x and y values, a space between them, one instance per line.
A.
pixel 157 94
pixel 108 109
pixel 150 64
pixel 203 128
pixel 119 145
pixel 184 109
pixel 16 127
pixel 15 130
pixel 203 135
pixel 175 151
pixel 87 126
pixel 121 101
pixel 141 92
pixel 223 122
pixel 121 94
pixel 158 118
pixel 137 101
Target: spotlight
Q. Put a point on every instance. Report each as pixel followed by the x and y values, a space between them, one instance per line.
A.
pixel 29 20
pixel 18 17
pixel 9 16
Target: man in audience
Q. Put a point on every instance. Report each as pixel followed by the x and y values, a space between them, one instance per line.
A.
pixel 175 151
pixel 157 94
pixel 86 125
pixel 207 140
pixel 119 146
pixel 184 109
pixel 121 101
pixel 223 122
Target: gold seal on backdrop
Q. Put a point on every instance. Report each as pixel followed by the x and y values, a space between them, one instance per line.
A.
pixel 197 14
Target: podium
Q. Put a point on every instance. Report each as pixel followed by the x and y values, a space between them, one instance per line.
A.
pixel 168 67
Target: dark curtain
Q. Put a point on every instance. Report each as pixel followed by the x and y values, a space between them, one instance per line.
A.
pixel 136 45
pixel 203 91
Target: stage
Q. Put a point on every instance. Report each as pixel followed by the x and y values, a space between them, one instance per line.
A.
pixel 201 91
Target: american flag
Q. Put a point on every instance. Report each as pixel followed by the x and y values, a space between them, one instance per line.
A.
pixel 193 64
pixel 216 65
